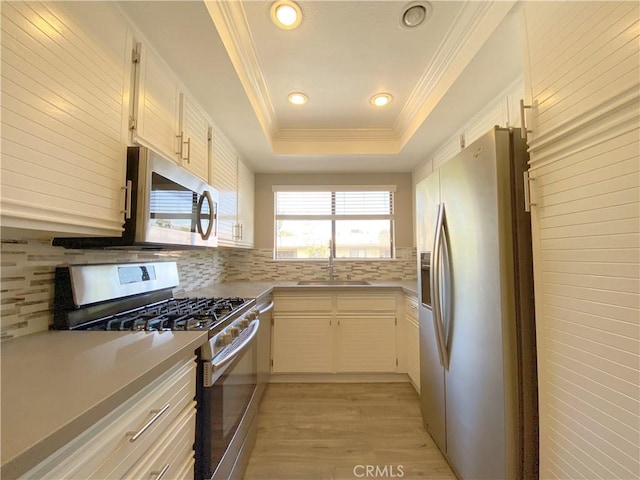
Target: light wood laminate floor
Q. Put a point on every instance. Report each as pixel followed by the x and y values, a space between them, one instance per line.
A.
pixel 343 431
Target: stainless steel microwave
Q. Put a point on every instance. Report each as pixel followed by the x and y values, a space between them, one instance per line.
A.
pixel 167 207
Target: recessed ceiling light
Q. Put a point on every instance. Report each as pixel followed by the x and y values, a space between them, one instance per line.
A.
pixel 414 14
pixel 286 14
pixel 297 98
pixel 381 99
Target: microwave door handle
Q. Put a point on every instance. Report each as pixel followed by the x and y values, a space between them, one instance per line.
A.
pixel 205 196
pixel 215 219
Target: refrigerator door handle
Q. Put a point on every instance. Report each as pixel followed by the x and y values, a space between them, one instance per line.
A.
pixel 436 283
pixel 445 274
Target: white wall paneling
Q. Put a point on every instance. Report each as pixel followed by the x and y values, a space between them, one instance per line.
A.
pixel 582 79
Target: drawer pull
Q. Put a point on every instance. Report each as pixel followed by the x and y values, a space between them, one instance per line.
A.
pixel 162 472
pixel 158 414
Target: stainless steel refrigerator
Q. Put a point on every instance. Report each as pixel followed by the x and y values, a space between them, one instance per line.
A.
pixel 477 327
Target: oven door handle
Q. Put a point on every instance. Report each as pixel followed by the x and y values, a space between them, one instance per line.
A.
pixel 253 330
pixel 267 309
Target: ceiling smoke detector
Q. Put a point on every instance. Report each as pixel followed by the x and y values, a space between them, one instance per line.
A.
pixel 414 14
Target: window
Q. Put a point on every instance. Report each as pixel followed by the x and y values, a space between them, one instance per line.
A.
pixel 344 222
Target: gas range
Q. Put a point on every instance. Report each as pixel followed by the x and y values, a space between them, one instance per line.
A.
pixel 136 297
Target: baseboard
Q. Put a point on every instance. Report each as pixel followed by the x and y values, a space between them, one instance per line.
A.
pixel 339 378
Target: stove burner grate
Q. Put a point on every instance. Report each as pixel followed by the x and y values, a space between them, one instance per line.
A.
pixel 173 314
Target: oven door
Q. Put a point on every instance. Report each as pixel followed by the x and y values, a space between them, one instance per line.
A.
pixel 226 411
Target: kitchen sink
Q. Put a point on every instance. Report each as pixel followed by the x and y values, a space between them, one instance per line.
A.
pixel 333 282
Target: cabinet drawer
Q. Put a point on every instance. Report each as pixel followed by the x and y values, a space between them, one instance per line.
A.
pixel 155 414
pixel 106 450
pixel 411 307
pixel 365 303
pixel 307 303
pixel 171 451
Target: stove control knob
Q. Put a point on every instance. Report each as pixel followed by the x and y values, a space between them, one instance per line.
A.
pixel 253 314
pixel 225 338
pixel 234 331
pixel 244 323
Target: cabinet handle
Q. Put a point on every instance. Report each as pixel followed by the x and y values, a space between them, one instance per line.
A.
pixel 162 472
pixel 188 157
pixel 527 192
pixel 523 123
pixel 181 143
pixel 127 200
pixel 145 427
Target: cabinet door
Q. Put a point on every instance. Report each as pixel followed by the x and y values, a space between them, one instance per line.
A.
pixel 246 185
pixel 302 344
pixel 366 344
pixel 412 341
pixel 194 135
pixel 65 82
pixel 224 178
pixel 157 105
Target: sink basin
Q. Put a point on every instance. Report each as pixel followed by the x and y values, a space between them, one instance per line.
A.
pixel 333 282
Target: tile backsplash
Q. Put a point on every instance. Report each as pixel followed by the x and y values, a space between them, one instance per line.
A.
pixel 27 277
pixel 259 265
pixel 28 265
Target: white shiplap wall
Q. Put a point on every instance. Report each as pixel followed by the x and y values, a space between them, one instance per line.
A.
pixel 582 78
pixel 65 87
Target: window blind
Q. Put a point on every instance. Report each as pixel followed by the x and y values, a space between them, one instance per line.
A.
pixel 336 205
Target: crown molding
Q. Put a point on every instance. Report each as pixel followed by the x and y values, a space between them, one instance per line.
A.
pixel 231 22
pixel 336 141
pixel 473 25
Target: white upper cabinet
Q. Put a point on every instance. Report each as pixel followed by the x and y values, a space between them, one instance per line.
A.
pixel 166 118
pixel 156 115
pixel 66 73
pixel 246 196
pixel 195 136
pixel 235 184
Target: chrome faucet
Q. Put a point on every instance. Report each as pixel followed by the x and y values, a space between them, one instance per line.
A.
pixel 331 266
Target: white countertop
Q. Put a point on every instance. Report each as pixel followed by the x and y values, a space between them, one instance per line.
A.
pixel 56 384
pixel 256 289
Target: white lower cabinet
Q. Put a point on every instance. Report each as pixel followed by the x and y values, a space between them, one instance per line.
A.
pixel 366 343
pixel 412 341
pixel 334 332
pixel 152 432
pixel 302 344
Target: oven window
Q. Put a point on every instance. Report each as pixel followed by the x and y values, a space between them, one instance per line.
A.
pixel 221 410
